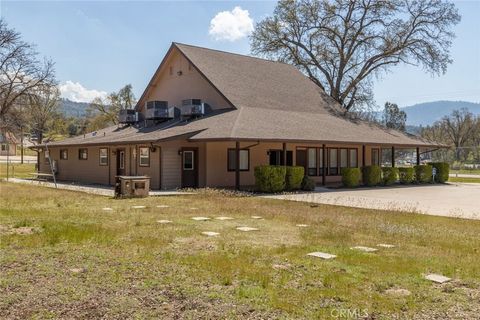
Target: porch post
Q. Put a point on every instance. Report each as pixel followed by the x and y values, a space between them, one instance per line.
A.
pixel 393 156
pixel 418 156
pixel 284 154
pixel 363 155
pixel 324 164
pixel 237 165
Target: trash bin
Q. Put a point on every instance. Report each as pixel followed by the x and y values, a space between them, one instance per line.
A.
pixel 132 186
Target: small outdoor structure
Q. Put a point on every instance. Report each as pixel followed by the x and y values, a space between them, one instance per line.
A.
pixel 132 186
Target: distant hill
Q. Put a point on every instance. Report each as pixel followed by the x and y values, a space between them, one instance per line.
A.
pixel 73 109
pixel 423 114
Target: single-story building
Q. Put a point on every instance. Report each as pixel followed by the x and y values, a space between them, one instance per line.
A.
pixel 205 111
pixel 8 144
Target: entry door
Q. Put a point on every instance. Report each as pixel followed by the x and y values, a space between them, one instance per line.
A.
pixel 189 168
pixel 120 162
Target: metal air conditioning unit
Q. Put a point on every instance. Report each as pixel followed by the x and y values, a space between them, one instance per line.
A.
pixel 159 110
pixel 192 108
pixel 129 116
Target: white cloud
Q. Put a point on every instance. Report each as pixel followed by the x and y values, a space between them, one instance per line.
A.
pixel 231 25
pixel 76 92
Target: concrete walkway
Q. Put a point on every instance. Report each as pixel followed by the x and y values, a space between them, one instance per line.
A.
pixel 461 200
pixel 91 189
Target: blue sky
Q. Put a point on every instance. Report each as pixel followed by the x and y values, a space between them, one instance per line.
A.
pixel 101 46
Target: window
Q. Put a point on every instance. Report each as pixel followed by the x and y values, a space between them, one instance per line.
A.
pixel 144 157
pixel 276 157
pixel 4 147
pixel 188 160
pixel 320 161
pixel 333 164
pixel 353 161
pixel 83 154
pixel 121 159
pixel 244 160
pixel 103 156
pixel 386 160
pixel 343 158
pixel 375 157
pixel 63 154
pixel 312 161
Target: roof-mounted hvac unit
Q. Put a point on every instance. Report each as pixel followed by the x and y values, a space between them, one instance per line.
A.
pixel 128 116
pixel 159 110
pixel 193 108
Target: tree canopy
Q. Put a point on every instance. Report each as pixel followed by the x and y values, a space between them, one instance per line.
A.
pixel 342 44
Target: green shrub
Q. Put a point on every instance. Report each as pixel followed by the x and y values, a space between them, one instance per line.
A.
pixel 406 175
pixel 372 175
pixel 308 184
pixel 443 171
pixel 351 177
pixel 294 177
pixel 270 178
pixel 389 175
pixel 423 173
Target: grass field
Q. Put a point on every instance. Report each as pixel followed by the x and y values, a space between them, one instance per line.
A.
pixel 464 180
pixel 465 171
pixel 17 170
pixel 130 266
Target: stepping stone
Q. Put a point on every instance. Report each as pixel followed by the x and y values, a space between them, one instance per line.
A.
pixel 246 229
pixel 302 225
pixel 164 221
pixel 107 209
pixel 256 217
pixel 398 292
pixel 223 218
pixel 438 278
pixel 77 270
pixel 281 266
pixel 364 249
pixel 138 207
pixel 210 233
pixel 384 245
pixel 322 255
pixel 163 206
pixel 200 218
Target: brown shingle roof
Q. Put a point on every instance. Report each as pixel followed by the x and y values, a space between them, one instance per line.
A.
pixel 273 101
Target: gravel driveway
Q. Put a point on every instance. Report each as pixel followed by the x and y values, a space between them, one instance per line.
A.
pixel 461 200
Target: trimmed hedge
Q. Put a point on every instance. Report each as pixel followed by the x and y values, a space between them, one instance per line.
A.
pixel 406 175
pixel 443 171
pixel 372 175
pixel 308 184
pixel 351 177
pixel 270 178
pixel 294 177
pixel 389 175
pixel 423 173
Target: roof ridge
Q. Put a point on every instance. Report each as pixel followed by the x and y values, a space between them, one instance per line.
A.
pixel 229 53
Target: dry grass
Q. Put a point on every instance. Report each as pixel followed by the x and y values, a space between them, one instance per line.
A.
pixel 135 267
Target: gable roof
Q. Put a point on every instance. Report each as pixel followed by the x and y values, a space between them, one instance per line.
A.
pixel 271 101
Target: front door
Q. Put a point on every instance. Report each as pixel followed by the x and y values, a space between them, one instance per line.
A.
pixel 189 168
pixel 120 162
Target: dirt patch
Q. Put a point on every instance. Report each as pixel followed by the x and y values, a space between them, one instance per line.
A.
pixel 7 230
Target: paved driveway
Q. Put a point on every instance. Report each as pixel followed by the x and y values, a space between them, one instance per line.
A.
pixel 460 200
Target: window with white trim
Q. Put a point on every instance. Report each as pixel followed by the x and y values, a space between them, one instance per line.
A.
pixel 144 158
pixel 103 156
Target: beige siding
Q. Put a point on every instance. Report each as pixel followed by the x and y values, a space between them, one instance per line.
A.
pixel 216 166
pixel 190 84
